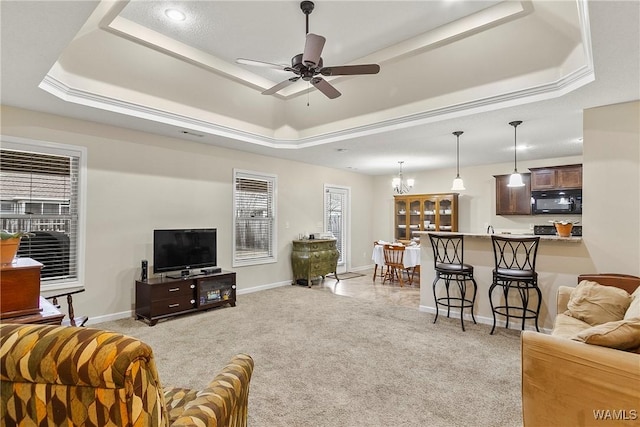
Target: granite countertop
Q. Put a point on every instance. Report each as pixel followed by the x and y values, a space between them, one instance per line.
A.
pixel 573 239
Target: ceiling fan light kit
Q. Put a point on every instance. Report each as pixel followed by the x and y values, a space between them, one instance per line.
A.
pixel 309 66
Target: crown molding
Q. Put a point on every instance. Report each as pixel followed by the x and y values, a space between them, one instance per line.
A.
pixel 578 78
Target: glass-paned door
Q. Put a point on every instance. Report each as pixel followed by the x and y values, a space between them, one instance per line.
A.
pixel 429 214
pixel 445 213
pixel 336 220
pixel 401 209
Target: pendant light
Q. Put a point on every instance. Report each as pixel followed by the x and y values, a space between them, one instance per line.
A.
pixel 458 184
pixel 515 180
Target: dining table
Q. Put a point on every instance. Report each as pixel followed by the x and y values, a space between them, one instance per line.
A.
pixel 411 255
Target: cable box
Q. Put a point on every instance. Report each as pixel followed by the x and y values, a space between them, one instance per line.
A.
pixel 213 270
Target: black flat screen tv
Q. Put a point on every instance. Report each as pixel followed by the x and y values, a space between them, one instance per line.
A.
pixel 184 249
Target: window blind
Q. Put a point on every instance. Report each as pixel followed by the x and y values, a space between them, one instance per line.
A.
pixel 39 194
pixel 254 219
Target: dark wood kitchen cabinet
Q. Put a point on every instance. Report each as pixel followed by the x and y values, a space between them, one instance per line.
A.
pixel 565 177
pixel 513 200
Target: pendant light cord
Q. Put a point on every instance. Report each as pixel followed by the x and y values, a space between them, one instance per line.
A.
pixel 515 125
pixel 457 134
pixel 457 156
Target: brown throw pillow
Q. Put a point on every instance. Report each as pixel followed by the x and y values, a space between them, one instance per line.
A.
pixel 634 307
pixel 622 335
pixel 596 304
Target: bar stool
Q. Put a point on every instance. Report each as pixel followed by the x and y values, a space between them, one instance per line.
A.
pixel 515 268
pixel 448 262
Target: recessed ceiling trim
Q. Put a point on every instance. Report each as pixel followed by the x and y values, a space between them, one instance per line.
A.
pixel 58 88
pixel 464 27
pixel 129 30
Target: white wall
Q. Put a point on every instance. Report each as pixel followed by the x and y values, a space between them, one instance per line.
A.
pixel 138 182
pixel 612 184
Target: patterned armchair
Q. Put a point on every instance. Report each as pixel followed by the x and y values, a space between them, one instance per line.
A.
pixel 71 376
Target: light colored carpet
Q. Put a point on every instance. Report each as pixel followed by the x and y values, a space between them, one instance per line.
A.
pixel 328 360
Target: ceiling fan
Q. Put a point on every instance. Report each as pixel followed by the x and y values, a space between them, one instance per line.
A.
pixel 308 65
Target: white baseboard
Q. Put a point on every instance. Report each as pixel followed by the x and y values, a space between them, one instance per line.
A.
pixel 130 313
pixel 455 314
pixel 263 287
pixel 109 317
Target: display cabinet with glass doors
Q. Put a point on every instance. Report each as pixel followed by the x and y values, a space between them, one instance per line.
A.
pixel 424 212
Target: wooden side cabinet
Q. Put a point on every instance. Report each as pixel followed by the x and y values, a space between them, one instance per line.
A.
pixel 513 200
pixel 20 287
pixel 162 297
pixel 565 177
pixel 313 258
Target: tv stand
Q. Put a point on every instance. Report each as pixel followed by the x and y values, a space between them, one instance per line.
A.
pixel 182 275
pixel 164 297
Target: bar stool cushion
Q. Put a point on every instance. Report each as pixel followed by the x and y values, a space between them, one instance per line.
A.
pixel 596 304
pixel 454 268
pixel 515 273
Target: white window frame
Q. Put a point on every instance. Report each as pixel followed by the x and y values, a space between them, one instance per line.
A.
pixel 246 174
pixel 345 251
pixel 53 148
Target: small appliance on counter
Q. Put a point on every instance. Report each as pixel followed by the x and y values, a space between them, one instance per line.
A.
pixel 550 230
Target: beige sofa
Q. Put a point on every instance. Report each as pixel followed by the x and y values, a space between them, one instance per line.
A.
pixel 566 382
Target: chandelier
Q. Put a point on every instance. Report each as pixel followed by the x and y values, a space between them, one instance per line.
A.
pixel 399 185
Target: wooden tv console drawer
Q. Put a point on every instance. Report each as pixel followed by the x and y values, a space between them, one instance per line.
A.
pixel 163 297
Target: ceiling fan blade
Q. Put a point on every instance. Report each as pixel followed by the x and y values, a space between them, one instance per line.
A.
pixel 349 70
pixel 312 50
pixel 263 64
pixel 280 85
pixel 325 87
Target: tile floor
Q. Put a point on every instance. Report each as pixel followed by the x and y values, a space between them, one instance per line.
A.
pixel 365 287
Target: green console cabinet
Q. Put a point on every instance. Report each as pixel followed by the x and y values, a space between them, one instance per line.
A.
pixel 313 258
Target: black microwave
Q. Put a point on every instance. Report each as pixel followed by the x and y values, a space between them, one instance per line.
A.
pixel 556 202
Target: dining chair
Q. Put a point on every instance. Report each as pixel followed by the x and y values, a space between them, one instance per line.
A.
pixel 375 268
pixel 394 260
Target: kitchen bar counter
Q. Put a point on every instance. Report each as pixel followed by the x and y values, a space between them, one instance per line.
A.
pixel 560 261
pixel 575 239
